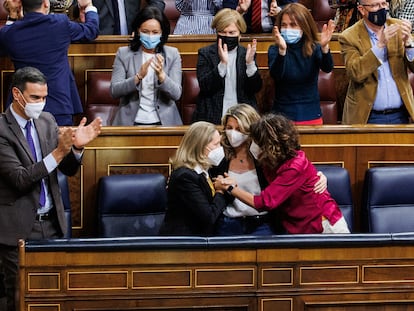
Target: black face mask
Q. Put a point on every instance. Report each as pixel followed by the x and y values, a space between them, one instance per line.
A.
pixel 379 17
pixel 232 42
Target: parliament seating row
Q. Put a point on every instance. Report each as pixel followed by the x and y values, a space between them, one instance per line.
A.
pixel 99 101
pixel 135 204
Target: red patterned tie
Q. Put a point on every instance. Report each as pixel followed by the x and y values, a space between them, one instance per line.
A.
pixel 257 16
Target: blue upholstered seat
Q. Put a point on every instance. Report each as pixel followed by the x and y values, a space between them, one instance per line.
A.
pixel 131 205
pixel 339 186
pixel 64 190
pixel 388 200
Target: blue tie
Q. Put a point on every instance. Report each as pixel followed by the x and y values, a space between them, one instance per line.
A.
pixel 117 26
pixel 29 138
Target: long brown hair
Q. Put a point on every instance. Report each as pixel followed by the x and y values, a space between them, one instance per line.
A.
pixel 277 137
pixel 304 19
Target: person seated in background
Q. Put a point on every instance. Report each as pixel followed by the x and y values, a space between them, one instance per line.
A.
pixel 258 14
pixel 402 9
pixel 226 71
pixel 294 63
pixel 291 177
pixel 146 75
pixel 196 16
pixel 194 205
pixel 378 52
pixel 239 218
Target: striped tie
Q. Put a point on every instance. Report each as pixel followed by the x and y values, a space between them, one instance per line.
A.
pixel 257 16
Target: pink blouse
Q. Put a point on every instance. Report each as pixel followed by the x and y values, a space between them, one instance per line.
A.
pixel 290 190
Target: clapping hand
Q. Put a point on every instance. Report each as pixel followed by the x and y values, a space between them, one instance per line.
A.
pixel 85 134
pixel 326 35
pixel 279 41
pixel 251 52
pixel 222 51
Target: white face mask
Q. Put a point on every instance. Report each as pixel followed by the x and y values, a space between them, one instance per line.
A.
pixel 216 156
pixel 236 138
pixel 255 150
pixel 32 110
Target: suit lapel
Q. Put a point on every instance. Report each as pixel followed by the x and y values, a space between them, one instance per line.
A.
pixel 17 131
pixel 41 133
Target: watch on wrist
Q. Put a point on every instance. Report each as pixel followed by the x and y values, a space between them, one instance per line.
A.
pixel 230 189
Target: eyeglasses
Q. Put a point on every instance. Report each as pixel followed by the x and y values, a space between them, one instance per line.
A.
pixel 376 6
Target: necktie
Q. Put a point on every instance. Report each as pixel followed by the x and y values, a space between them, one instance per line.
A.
pixel 257 16
pixel 29 138
pixel 117 26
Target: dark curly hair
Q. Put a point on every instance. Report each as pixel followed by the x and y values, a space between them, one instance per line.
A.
pixel 147 13
pixel 278 139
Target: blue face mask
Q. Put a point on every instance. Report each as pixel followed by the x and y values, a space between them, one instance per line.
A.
pixel 149 41
pixel 291 36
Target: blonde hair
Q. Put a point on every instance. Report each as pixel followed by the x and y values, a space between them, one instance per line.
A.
pixel 245 115
pixel 396 6
pixel 301 15
pixel 190 153
pixel 225 17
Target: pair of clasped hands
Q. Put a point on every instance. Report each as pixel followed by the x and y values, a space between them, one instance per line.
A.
pixel 157 63
pixel 386 33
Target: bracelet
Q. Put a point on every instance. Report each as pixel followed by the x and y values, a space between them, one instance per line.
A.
pixel 139 77
pixel 11 19
pixel 77 149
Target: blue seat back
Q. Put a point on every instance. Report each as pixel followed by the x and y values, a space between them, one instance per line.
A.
pixel 388 200
pixel 64 190
pixel 131 205
pixel 339 186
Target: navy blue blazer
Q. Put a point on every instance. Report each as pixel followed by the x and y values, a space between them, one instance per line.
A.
pixel 42 41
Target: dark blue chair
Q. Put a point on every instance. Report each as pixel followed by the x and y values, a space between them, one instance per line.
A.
pixel 388 200
pixel 131 205
pixel 339 186
pixel 64 190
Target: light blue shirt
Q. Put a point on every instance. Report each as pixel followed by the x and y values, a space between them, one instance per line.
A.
pixel 388 96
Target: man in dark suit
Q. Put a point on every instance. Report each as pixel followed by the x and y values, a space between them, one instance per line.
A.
pixel 42 40
pixel 32 148
pixel 112 22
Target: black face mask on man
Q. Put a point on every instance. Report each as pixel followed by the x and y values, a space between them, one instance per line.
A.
pixel 379 17
pixel 232 42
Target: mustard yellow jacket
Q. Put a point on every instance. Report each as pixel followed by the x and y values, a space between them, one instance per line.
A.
pixel 361 66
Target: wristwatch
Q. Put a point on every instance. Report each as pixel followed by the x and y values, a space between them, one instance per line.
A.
pixel 230 189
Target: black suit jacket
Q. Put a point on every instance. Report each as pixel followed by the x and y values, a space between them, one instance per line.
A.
pixel 192 209
pixel 20 176
pixel 210 99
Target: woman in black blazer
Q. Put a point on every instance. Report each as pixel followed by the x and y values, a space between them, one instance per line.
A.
pixel 226 71
pixel 194 205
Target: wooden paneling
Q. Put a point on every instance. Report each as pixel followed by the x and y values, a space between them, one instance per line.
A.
pixel 354 277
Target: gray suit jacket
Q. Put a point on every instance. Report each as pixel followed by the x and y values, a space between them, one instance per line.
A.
pixel 20 177
pixel 126 65
pixel 132 7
